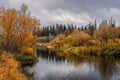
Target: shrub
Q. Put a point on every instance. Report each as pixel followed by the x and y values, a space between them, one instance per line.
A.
pixel 106 32
pixel 26 60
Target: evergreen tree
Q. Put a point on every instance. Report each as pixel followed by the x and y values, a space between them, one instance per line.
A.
pixel 64 28
pixel 95 25
pixel 82 28
pixel 85 28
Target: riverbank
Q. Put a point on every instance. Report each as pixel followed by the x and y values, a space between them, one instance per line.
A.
pixel 11 66
pixel 10 69
pixel 110 48
pixel 101 50
pixel 81 43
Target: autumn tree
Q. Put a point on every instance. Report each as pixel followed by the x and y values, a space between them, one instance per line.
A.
pixel 16 30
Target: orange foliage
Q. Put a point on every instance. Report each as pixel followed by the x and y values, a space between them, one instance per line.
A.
pixel 28 51
pixel 17 32
pixel 10 68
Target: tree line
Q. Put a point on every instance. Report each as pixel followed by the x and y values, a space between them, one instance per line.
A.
pixel 63 28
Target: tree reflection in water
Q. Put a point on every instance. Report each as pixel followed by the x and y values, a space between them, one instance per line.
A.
pixel 64 66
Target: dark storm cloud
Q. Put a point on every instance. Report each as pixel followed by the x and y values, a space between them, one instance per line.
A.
pixel 79 12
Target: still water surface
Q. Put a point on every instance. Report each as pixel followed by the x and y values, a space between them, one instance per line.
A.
pixel 50 66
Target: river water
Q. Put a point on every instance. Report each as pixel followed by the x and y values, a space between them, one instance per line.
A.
pixel 51 66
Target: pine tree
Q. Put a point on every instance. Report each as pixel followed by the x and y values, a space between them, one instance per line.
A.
pixel 95 25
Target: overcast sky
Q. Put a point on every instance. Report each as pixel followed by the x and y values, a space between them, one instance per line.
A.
pixel 79 12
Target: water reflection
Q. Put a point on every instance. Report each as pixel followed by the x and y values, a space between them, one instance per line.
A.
pixel 50 66
pixel 108 69
pixel 50 56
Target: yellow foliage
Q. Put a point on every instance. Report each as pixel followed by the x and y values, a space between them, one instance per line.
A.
pixel 23 19
pixel 106 32
pixel 77 38
pixel 117 40
pixel 94 41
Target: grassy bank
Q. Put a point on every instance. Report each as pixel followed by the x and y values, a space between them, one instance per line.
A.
pixel 10 68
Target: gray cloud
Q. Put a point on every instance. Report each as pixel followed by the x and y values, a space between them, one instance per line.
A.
pixel 79 12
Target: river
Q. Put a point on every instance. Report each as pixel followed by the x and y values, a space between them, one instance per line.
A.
pixel 51 66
